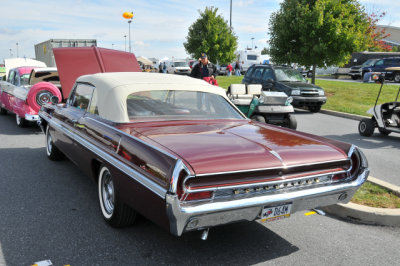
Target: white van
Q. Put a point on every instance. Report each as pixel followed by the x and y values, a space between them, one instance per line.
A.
pixel 180 67
pixel 248 58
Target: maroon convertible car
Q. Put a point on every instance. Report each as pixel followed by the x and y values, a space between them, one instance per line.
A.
pixel 177 151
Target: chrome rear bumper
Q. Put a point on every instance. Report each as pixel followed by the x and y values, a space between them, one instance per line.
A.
pixel 185 217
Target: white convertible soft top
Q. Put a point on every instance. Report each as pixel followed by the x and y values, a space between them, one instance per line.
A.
pixel 113 89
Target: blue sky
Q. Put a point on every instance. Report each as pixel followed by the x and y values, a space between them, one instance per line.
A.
pixel 159 28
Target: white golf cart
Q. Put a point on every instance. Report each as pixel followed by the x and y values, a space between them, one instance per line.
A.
pixel 386 116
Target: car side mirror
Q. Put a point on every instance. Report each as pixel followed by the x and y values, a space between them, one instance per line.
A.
pixel 54 100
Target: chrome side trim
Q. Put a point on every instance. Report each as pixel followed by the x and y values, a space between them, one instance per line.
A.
pixel 135 138
pixel 157 189
pixel 271 168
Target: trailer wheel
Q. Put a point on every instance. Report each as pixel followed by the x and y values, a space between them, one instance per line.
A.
pixel 366 127
pixel 40 93
pixel 258 118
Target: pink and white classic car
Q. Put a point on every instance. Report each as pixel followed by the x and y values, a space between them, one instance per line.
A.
pixel 26 90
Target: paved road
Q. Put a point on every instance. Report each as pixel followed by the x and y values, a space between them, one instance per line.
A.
pixel 382 152
pixel 49 210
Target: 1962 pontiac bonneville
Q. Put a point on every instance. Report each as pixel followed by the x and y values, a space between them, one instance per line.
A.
pixel 177 151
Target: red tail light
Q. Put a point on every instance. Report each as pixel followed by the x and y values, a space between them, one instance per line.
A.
pixel 198 195
pixel 338 177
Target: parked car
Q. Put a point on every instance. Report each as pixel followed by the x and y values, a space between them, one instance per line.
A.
pixel 177 151
pixel 356 72
pixel 381 65
pixel 222 70
pixel 180 67
pixel 26 90
pixel 289 81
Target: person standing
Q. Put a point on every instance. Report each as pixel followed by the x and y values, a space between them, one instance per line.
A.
pixel 204 68
pixel 164 69
pixel 229 68
pixel 238 67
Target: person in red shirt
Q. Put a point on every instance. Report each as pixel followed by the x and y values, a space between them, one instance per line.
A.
pixel 229 68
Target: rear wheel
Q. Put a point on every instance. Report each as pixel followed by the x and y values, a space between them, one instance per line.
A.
pixel 53 153
pixel 396 77
pixel 115 212
pixel 314 108
pixel 383 131
pixel 258 118
pixel 21 122
pixel 366 127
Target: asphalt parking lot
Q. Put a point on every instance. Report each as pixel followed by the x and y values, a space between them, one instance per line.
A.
pixel 50 211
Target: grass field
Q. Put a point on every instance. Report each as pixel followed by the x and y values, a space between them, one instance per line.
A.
pixel 348 97
pixel 375 196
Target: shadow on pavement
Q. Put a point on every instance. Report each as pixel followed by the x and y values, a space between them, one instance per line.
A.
pixel 9 126
pixel 50 211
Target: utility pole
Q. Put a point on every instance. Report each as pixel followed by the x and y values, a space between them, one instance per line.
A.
pixel 125 42
pixel 17 50
pixel 230 18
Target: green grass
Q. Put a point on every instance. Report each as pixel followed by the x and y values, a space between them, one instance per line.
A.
pixel 376 196
pixel 348 97
pixel 355 98
pixel 225 81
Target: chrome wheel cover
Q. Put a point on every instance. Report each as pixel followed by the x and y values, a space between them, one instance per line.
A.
pixel 49 143
pixel 107 192
pixel 43 97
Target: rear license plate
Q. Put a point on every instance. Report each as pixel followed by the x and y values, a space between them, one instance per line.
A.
pixel 274 213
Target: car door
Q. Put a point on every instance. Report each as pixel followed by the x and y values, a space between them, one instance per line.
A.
pixel 67 116
pixel 380 66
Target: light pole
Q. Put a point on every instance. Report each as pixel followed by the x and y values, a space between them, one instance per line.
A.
pixel 112 46
pixel 17 50
pixel 125 42
pixel 252 47
pixel 129 15
pixel 230 18
pixel 11 52
pixel 129 23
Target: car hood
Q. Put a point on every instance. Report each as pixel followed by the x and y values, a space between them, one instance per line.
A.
pixel 211 147
pixel 74 62
pixel 356 67
pixel 300 85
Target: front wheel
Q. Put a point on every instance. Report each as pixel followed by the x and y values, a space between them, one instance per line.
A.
pixel 291 122
pixel 354 77
pixel 396 77
pixel 314 108
pixel 384 131
pixel 21 122
pixel 115 212
pixel 53 153
pixel 3 111
pixel 366 127
pixel 258 118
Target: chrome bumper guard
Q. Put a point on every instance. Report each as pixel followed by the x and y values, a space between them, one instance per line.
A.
pixel 196 216
pixel 29 117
